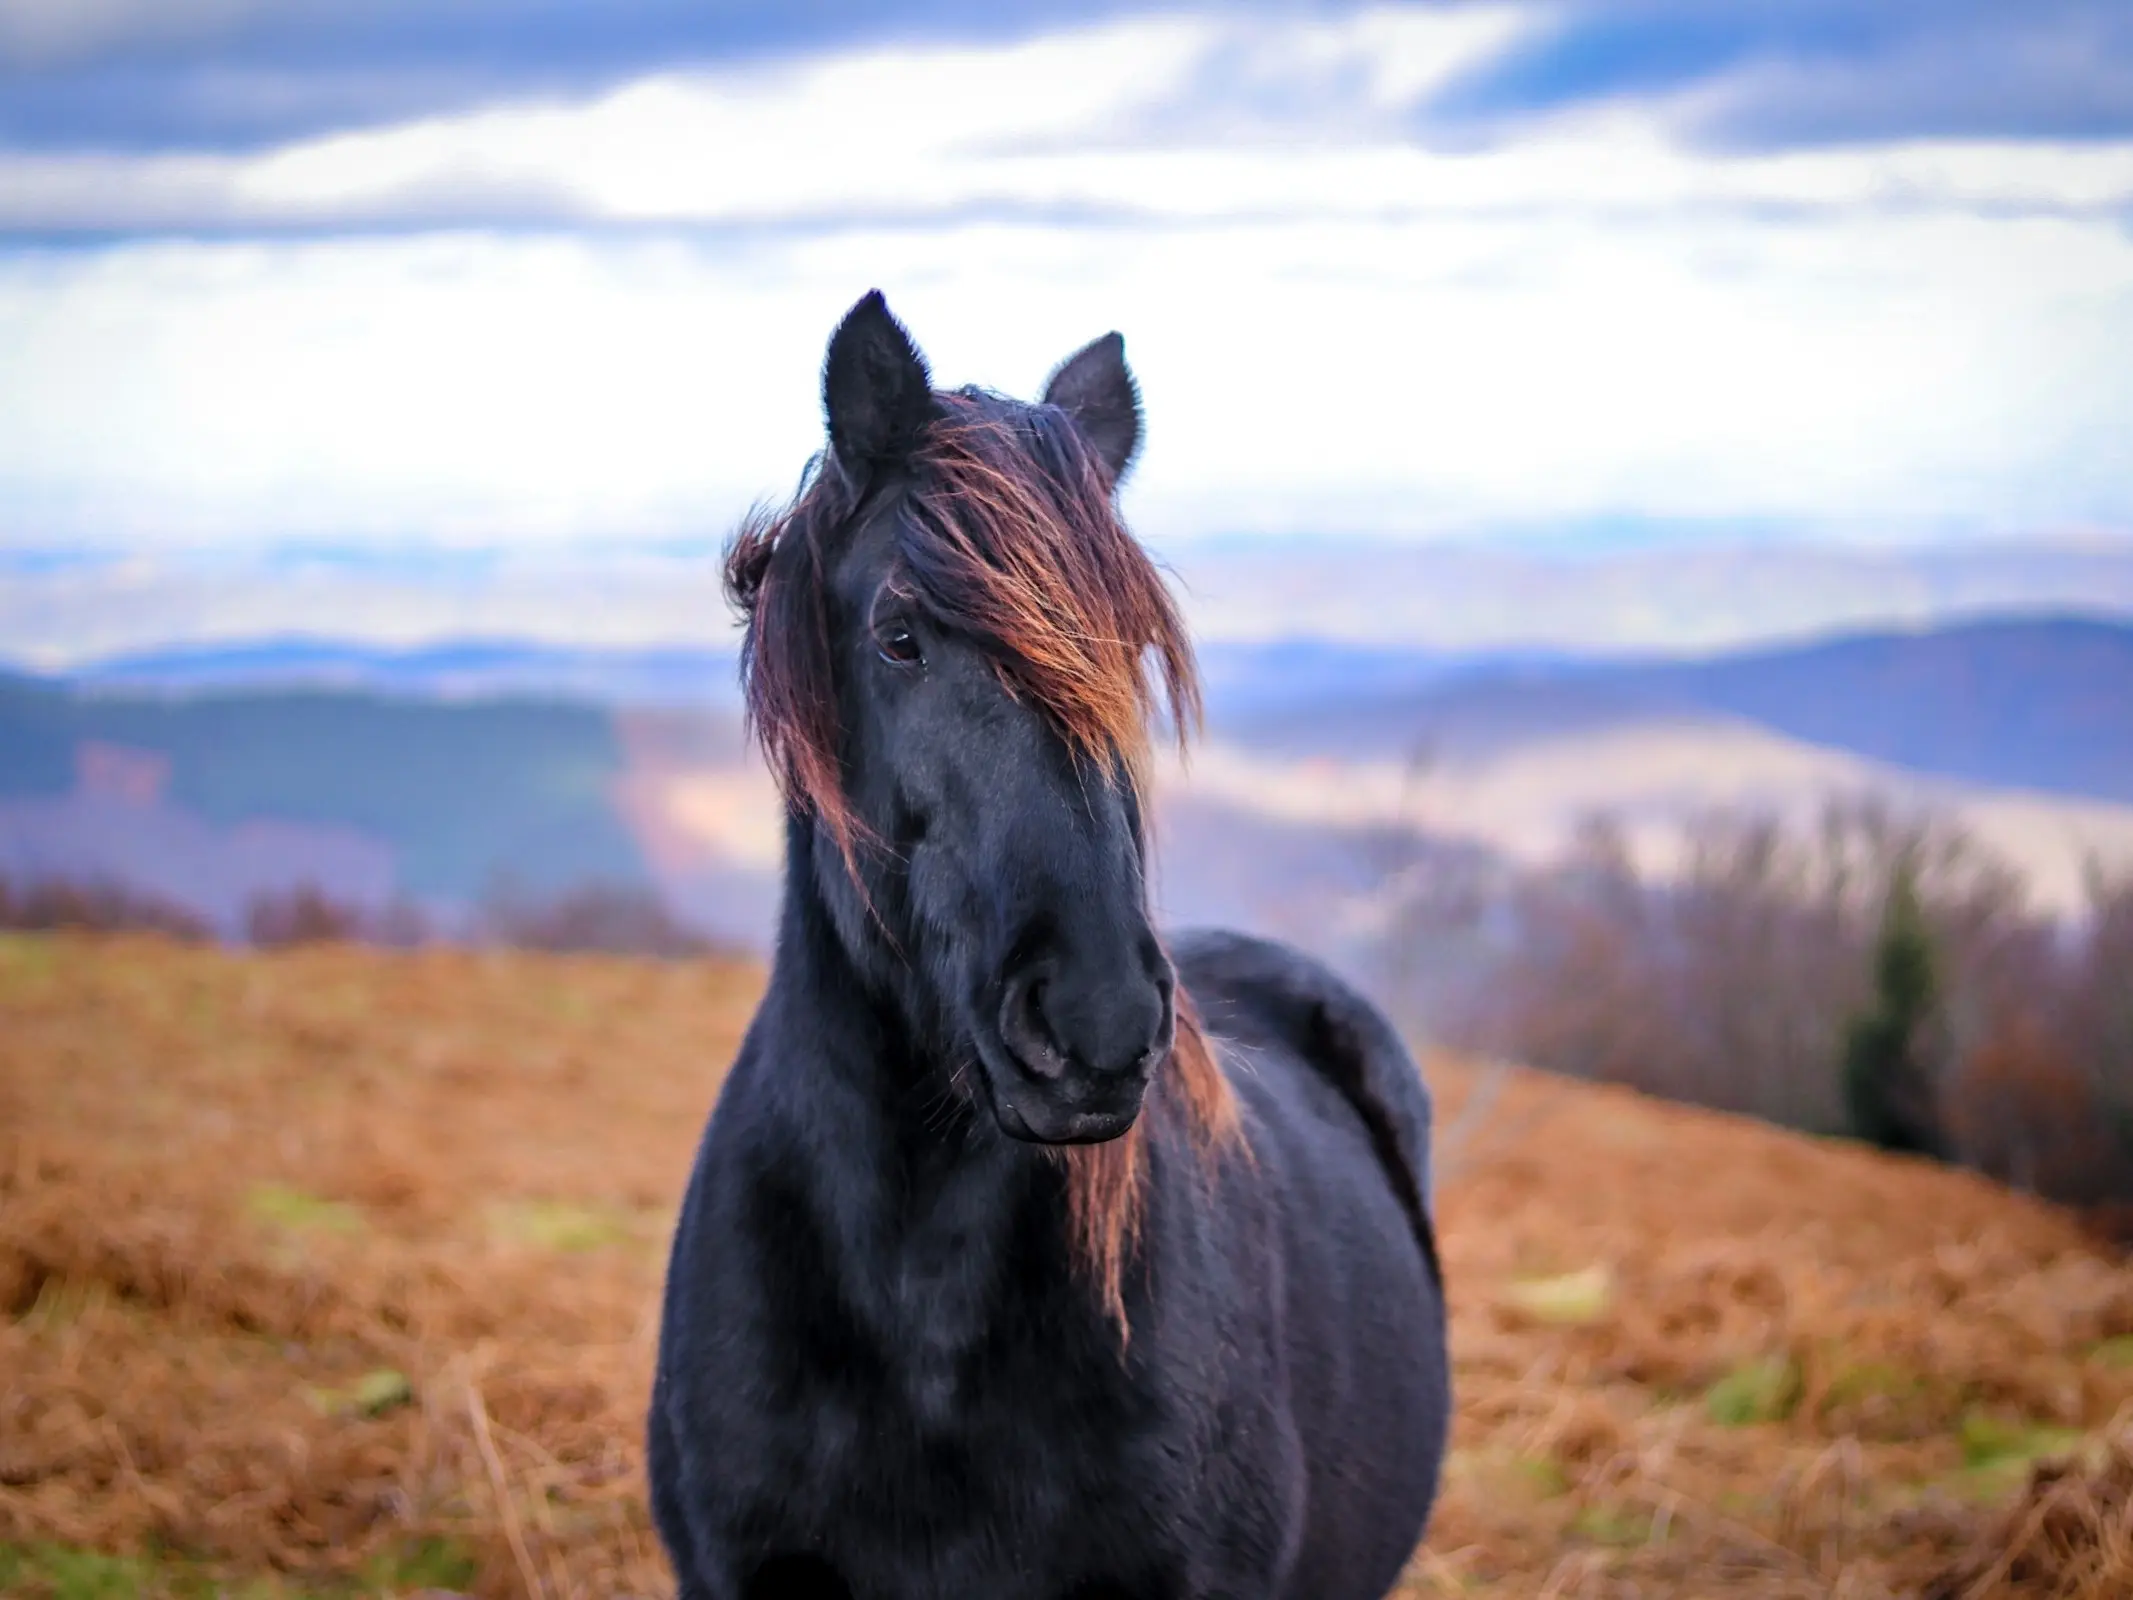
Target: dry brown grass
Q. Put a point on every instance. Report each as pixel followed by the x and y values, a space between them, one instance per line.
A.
pixel 1694 1356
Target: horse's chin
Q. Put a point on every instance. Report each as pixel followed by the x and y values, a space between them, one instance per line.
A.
pixel 1062 1128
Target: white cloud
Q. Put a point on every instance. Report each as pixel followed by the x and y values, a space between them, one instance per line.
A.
pixel 1335 327
pixel 1170 117
pixel 49 32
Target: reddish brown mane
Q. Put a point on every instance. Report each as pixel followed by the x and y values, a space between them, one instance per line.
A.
pixel 1010 537
pixel 1105 1181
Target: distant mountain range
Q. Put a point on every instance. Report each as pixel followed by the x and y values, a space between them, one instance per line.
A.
pixel 2041 703
pixel 1259 675
pixel 459 670
pixel 1674 599
pixel 61 610
pixel 209 773
pixel 2038 704
pixel 2019 729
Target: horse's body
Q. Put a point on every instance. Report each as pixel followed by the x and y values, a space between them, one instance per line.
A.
pixel 892 1364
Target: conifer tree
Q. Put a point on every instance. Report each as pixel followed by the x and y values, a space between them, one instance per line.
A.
pixel 1888 1082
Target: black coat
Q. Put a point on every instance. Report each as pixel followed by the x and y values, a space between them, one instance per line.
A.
pixel 881 1376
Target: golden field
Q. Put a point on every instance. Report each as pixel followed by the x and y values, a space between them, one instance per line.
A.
pixel 335 1272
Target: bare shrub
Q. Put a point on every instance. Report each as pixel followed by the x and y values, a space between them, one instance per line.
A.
pixel 303 915
pixel 1729 983
pixel 2097 1001
pixel 617 919
pixel 2045 1101
pixel 2021 1110
pixel 53 904
pixel 1746 978
pixel 279 918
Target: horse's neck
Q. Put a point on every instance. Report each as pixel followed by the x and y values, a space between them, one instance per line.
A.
pixel 922 1193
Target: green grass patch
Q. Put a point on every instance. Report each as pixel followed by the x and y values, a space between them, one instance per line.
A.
pixel 1872 1380
pixel 1999 1452
pixel 26 960
pixel 1617 1527
pixel 1544 1476
pixel 1987 1439
pixel 561 1224
pixel 371 1395
pixel 433 1563
pixel 560 999
pixel 1758 1392
pixel 1878 1400
pixel 63 1572
pixel 2114 1352
pixel 1500 1472
pixel 62 1302
pixel 59 1572
pixel 1568 1299
pixel 292 1209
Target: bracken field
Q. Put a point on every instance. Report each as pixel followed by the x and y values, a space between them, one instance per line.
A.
pixel 335 1272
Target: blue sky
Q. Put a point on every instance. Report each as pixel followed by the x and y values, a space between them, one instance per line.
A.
pixel 411 275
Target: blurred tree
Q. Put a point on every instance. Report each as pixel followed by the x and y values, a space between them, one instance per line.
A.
pixel 1889 1085
pixel 306 914
pixel 49 904
pixel 606 918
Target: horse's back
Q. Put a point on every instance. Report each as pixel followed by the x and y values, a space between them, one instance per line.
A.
pixel 1257 991
pixel 1339 1120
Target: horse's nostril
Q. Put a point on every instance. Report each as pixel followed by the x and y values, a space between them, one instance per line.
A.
pixel 1166 1030
pixel 1024 1026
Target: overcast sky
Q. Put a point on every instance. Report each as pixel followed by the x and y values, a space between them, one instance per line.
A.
pixel 402 273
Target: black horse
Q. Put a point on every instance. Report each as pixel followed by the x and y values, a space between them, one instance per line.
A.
pixel 1023 1257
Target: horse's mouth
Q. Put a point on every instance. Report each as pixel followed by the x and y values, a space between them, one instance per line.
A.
pixel 1057 1103
pixel 1040 1124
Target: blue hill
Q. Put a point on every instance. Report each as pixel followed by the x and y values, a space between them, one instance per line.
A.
pixel 2040 703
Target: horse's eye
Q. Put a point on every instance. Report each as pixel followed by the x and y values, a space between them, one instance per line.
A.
pixel 897 644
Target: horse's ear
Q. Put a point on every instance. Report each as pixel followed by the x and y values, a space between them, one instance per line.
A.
pixel 875 388
pixel 1095 387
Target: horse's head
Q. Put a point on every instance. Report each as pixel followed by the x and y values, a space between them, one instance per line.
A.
pixel 955 653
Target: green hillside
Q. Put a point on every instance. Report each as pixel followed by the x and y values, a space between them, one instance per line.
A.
pixel 464 791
